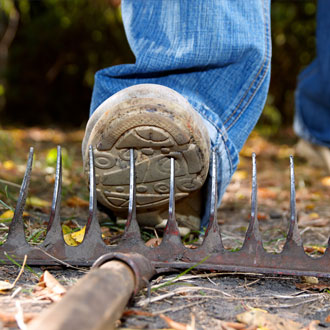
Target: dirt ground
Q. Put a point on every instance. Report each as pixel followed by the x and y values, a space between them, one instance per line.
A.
pixel 207 298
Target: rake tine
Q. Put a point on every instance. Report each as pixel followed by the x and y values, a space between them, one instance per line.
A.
pixel 55 211
pixel 93 230
pixel 252 235
pixel 293 232
pixel 132 229
pixel 16 229
pixel 171 232
pixel 54 234
pixel 212 239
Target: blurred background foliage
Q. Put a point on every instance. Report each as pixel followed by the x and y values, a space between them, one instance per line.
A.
pixel 50 50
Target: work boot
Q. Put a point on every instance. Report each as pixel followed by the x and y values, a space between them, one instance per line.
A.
pixel 158 123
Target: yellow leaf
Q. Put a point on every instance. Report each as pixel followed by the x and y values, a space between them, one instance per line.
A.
pixel 66 229
pixel 73 238
pixel 78 236
pixel 326 181
pixel 9 165
pixel 314 215
pixel 37 202
pixel 69 240
pixel 7 214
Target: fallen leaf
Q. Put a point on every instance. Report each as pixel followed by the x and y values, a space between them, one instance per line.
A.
pixel 326 181
pixel 314 248
pixel 327 319
pixel 311 286
pixel 264 320
pixel 9 214
pixel 5 286
pixel 76 201
pixel 266 193
pixel 314 215
pixel 9 320
pixel 73 238
pixel 310 279
pixel 49 287
pixel 177 325
pixel 262 216
pixel 9 165
pixel 137 312
pixel 37 202
pixel 153 242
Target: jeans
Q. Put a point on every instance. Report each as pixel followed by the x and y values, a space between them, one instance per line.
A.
pixel 312 116
pixel 216 53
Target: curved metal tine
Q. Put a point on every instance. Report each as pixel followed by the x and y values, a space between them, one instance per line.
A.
pixel 253 234
pixel 171 230
pixel 54 218
pixel 132 229
pixel 212 235
pixel 293 232
pixel 16 228
pixel 93 229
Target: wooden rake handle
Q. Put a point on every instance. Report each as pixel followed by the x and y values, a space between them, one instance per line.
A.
pixel 98 299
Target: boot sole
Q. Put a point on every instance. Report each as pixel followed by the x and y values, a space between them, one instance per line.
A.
pixel 157 129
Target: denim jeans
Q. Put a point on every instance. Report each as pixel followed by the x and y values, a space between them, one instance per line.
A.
pixel 312 116
pixel 216 53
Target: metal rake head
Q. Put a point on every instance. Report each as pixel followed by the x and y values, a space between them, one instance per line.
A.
pixel 171 253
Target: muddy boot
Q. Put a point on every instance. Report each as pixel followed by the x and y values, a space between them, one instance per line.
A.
pixel 159 124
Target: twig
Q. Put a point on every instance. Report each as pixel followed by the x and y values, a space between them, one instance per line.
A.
pixel 8 183
pixel 176 308
pixel 143 302
pixel 20 317
pixel 251 283
pixel 290 305
pixel 21 271
pixel 63 262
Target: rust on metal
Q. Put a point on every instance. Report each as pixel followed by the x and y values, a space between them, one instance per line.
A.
pixel 171 253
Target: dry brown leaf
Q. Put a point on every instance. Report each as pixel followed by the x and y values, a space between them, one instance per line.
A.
pixel 263 319
pixel 327 319
pixel 310 279
pixel 5 286
pixel 153 242
pixel 312 286
pixel 76 201
pixel 266 193
pixel 129 312
pixel 49 287
pixel 9 321
pixel 177 325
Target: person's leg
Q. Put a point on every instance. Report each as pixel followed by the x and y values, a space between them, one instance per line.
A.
pixel 215 53
pixel 312 116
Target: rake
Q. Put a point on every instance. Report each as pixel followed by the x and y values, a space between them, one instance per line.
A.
pixel 171 253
